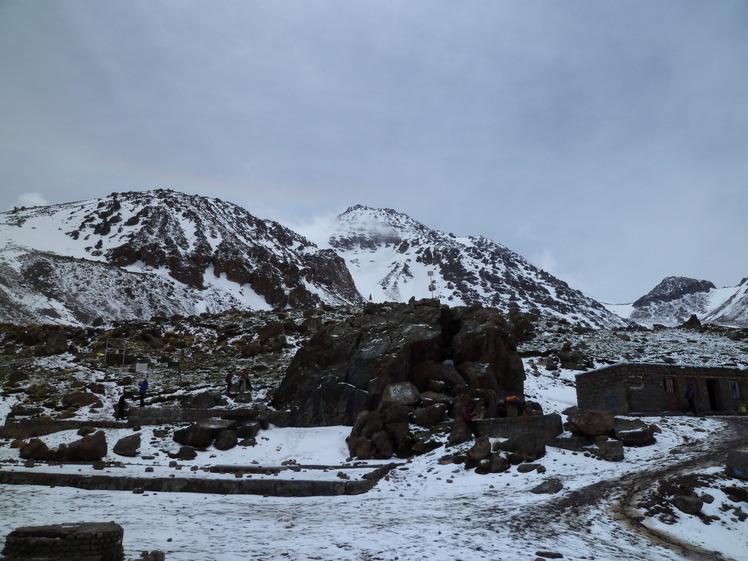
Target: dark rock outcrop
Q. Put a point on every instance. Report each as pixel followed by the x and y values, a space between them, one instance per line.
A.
pixel 345 368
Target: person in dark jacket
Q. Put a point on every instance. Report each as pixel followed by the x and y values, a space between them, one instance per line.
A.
pixel 467 417
pixel 142 389
pixel 121 412
pixel 690 398
pixel 229 381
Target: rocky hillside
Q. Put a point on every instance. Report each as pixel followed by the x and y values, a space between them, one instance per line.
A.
pixel 136 255
pixel 393 257
pixel 674 300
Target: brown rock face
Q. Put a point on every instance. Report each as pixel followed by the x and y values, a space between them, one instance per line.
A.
pixel 345 368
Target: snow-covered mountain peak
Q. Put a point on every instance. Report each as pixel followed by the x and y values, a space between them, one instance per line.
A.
pixel 393 257
pixel 365 227
pixel 138 254
pixel 673 288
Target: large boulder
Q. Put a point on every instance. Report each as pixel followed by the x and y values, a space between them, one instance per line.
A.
pixel 202 400
pixel 530 446
pixel 345 368
pixel 609 450
pixel 737 464
pixel 128 445
pixel 480 450
pixel 404 393
pixel 225 440
pixel 460 433
pixel 590 423
pixel 430 415
pixel 36 449
pixel 382 433
pixel 80 398
pixel 633 432
pixel 688 504
pixel 203 433
pixel 90 448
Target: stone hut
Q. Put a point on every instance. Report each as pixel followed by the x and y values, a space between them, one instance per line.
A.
pixel 658 388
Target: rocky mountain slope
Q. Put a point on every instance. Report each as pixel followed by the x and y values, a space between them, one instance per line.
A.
pixel 136 255
pixel 393 257
pixel 674 300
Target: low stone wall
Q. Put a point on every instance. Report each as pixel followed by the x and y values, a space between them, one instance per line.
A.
pixel 85 541
pixel 268 487
pixel 509 427
pixel 31 428
pixel 138 416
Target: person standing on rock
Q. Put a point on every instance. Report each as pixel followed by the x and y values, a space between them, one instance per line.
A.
pixel 229 380
pixel 142 389
pixel 467 417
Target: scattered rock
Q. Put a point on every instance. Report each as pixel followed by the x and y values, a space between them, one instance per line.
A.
pixel 609 450
pixel 128 446
pixel 225 440
pixel 688 504
pixel 480 450
pixel 186 453
pixel 548 487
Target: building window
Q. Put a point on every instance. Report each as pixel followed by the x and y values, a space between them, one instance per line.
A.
pixel 670 385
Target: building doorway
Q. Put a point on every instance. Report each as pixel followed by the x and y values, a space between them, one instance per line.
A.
pixel 671 395
pixel 715 395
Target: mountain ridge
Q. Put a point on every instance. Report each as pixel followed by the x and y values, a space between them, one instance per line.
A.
pixel 161 252
pixel 413 261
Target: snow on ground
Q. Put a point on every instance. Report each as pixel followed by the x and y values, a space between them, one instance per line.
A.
pixel 422 510
pixel 725 533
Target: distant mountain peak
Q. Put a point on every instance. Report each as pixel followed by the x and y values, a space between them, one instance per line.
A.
pixel 674 288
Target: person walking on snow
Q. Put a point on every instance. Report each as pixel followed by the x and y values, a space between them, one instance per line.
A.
pixel 229 380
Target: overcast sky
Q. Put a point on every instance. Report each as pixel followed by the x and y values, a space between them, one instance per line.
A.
pixel 605 141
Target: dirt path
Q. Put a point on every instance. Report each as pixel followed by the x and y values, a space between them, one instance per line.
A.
pixel 606 508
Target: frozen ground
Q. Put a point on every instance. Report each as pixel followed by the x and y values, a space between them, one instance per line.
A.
pixel 423 509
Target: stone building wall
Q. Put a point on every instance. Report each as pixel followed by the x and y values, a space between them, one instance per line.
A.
pixel 656 388
pixel 86 541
